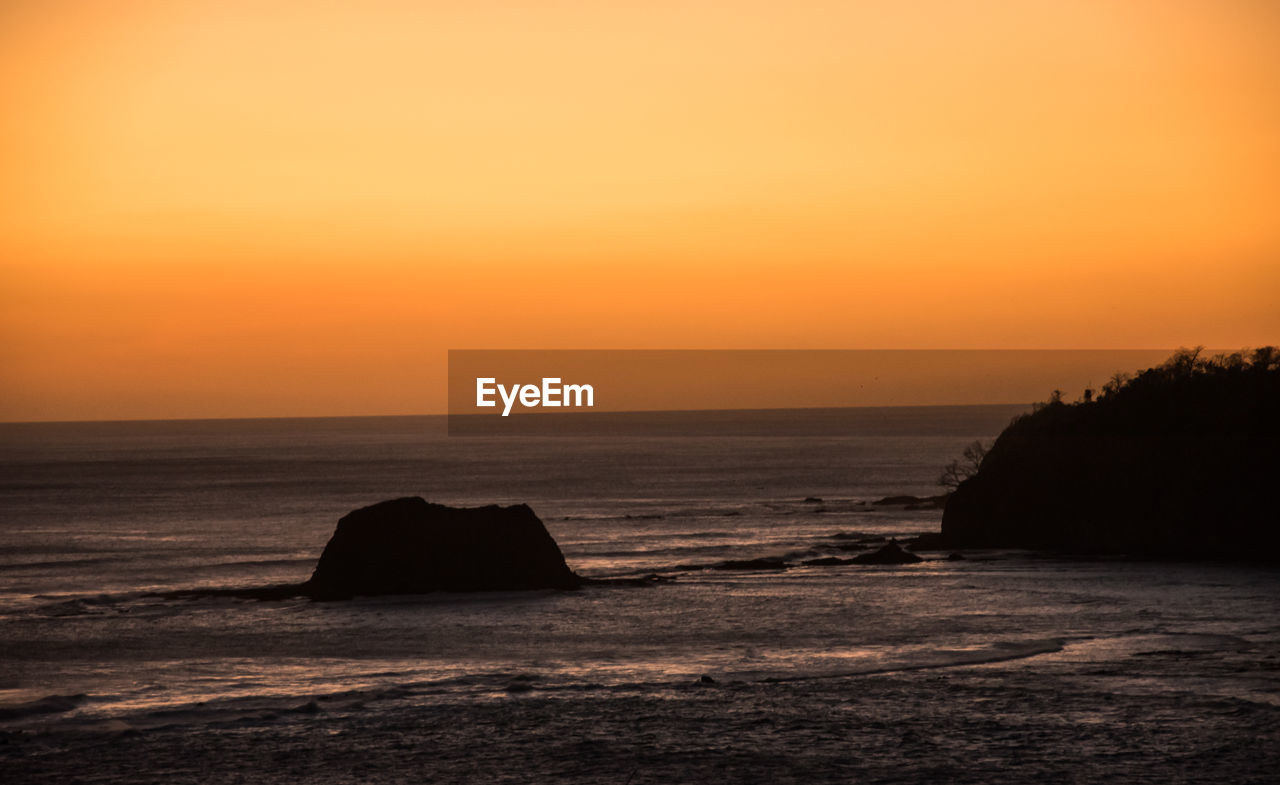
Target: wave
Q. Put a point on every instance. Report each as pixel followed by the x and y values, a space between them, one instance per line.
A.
pixel 113 713
pixel 997 652
pixel 606 567
pixel 49 704
pixel 87 561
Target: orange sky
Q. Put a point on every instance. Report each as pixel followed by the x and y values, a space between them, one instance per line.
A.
pixel 233 208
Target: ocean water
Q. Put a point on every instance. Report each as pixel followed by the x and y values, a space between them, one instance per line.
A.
pixel 1002 667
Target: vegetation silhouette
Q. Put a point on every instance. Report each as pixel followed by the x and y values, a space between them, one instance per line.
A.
pixel 964 467
pixel 1179 461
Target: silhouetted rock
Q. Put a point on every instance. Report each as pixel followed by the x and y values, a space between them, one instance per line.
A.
pixel 892 553
pixel 408 546
pixel 705 679
pixel 955 557
pixel 652 579
pixel 1180 461
pixel 858 536
pixel 913 502
pixel 896 500
pixel 929 541
pixel 826 561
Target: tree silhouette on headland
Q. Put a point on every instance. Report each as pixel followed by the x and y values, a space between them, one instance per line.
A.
pixel 963 467
pixel 1178 460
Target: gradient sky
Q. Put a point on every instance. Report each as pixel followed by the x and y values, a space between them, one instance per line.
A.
pixel 232 208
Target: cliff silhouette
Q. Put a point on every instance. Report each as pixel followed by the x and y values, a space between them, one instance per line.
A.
pixel 1180 461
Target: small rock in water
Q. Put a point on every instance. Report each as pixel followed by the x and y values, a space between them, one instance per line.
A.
pixel 892 553
pixel 705 679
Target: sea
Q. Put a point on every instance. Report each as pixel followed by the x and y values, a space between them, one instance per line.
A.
pixel 116 664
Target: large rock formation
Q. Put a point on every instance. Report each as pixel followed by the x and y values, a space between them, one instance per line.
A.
pixel 408 546
pixel 1180 461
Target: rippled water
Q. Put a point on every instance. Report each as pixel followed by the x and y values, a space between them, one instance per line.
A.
pixel 1000 667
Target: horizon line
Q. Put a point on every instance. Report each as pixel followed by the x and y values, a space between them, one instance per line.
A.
pixel 446 415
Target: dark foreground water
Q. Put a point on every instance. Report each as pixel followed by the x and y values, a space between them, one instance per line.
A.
pixel 1000 668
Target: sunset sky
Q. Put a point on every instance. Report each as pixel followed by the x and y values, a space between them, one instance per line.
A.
pixel 230 208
